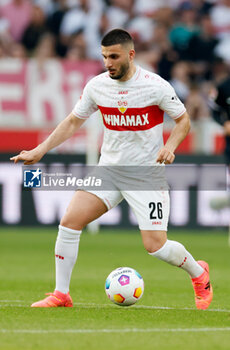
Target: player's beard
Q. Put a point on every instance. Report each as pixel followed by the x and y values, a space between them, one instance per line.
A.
pixel 122 71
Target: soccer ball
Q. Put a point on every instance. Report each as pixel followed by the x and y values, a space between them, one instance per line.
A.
pixel 124 286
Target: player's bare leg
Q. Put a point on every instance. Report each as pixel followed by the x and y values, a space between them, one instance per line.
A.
pixel 83 208
pixel 153 240
pixel 174 253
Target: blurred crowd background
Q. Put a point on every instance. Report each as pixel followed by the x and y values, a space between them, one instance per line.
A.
pixel 186 42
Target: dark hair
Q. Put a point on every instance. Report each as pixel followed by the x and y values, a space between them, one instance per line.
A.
pixel 116 36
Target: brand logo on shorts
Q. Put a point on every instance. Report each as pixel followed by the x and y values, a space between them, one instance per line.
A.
pixel 32 178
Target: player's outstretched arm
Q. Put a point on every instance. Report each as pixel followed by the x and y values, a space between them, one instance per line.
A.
pixel 63 131
pixel 179 132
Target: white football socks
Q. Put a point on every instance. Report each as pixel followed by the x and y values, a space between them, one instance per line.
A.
pixel 66 251
pixel 175 254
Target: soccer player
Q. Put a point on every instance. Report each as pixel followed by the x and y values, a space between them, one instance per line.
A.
pixel 132 102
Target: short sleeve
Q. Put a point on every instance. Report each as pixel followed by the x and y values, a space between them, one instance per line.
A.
pixel 85 105
pixel 170 103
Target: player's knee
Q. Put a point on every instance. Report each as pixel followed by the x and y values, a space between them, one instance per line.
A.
pixel 152 248
pixel 152 245
pixel 72 222
pixel 153 240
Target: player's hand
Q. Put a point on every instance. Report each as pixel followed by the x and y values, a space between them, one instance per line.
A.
pixel 227 128
pixel 29 157
pixel 165 156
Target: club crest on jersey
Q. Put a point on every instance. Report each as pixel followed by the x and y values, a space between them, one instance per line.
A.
pixel 122 106
pixel 122 109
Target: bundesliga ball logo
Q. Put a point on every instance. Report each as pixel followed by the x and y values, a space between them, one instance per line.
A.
pixel 124 286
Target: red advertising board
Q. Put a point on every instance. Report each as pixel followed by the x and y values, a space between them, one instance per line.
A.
pixel 35 97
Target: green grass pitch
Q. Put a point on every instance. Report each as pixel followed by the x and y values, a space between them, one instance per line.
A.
pixel 165 318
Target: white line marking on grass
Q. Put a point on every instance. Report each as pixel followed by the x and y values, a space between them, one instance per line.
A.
pixel 9 303
pixel 123 330
pixel 91 305
pixel 176 308
pixel 13 305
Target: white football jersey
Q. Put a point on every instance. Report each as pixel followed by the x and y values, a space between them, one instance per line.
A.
pixel 132 113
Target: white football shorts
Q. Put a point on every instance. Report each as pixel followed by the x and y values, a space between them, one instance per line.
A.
pixel 151 208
